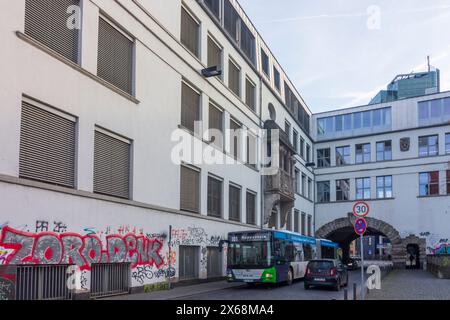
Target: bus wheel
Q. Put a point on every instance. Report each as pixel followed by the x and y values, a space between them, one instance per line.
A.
pixel 290 277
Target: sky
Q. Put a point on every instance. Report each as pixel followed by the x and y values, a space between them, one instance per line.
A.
pixel 340 53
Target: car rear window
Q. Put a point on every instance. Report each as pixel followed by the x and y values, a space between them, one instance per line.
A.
pixel 314 265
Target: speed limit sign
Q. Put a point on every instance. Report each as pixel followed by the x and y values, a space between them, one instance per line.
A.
pixel 360 209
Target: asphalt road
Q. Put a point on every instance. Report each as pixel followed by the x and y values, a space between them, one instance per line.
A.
pixel 280 292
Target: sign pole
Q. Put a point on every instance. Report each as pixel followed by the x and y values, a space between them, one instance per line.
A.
pixel 362 267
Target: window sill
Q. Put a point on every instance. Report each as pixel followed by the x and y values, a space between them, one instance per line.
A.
pixel 433 196
pixel 75 66
pixel 347 201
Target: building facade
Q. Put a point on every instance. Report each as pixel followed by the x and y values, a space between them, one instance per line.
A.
pixel 103 102
pixel 123 149
pixel 394 156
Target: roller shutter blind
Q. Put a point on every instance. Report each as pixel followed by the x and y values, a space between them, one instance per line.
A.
pixel 251 208
pixel 214 54
pixel 190 190
pixel 46 22
pixel 190 107
pixel 214 197
pixel 47 146
pixel 115 57
pixel 234 75
pixel 234 203
pixel 235 138
pixel 111 166
pixel 216 122
pixel 189 32
pixel 250 94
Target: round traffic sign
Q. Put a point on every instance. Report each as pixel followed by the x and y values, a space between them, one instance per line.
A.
pixel 360 226
pixel 360 209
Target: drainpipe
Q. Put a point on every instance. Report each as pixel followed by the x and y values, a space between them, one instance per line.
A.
pixel 261 124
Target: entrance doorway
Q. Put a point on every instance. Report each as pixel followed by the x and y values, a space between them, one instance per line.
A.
pixel 189 262
pixel 214 265
pixel 412 256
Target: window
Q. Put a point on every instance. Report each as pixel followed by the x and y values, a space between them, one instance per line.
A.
pixel 309 188
pixel 296 220
pixel 214 54
pixel 190 32
pixel 447 143
pixel 276 78
pixel 251 150
pixel 231 19
pixel 295 140
pixel 214 197
pixel 323 191
pixel 295 107
pixel 384 187
pixel 289 221
pixel 297 181
pixel 362 188
pixel 323 158
pixel 214 7
pixel 112 160
pixel 376 120
pixel 190 106
pixel 384 150
pixel 234 203
pixel 309 225
pixel 247 41
pixel 216 124
pixel 363 153
pixel 448 181
pixel 302 148
pixel 428 146
pixel 308 153
pixel 235 139
pixel 429 183
pixel 343 190
pixel 303 223
pixel 303 185
pixel 265 62
pixel 250 94
pixel 46 22
pixel 234 78
pixel 47 145
pixel 190 189
pixel 115 56
pixel 434 111
pixel 287 129
pixel 342 155
pixel 251 208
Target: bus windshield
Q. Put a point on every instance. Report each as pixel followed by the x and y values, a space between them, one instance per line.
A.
pixel 249 254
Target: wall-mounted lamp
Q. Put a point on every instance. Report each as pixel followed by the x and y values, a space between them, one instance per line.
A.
pixel 211 72
pixel 310 164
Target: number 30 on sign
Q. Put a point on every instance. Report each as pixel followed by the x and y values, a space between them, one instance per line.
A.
pixel 361 209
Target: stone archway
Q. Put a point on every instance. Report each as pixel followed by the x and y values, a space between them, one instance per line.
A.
pixel 374 226
pixel 421 245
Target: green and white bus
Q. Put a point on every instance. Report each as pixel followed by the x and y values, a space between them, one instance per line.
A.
pixel 273 256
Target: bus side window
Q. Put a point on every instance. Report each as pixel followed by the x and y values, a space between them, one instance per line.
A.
pixel 290 252
pixel 308 251
pixel 298 252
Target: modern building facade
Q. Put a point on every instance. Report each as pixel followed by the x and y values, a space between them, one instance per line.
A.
pixel 124 152
pixel 394 156
pixel 410 85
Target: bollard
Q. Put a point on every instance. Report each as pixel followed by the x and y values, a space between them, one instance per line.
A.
pixel 345 294
pixel 354 291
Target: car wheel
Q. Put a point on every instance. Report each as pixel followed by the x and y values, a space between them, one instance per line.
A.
pixel 306 286
pixel 290 277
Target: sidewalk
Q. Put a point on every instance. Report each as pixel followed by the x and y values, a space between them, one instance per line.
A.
pixel 412 285
pixel 179 292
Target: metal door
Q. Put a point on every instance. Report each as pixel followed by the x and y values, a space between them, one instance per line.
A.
pixel 214 265
pixel 189 260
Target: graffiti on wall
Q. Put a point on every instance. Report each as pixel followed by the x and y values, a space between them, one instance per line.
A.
pixel 436 244
pixel 193 236
pixel 6 289
pixel 83 251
